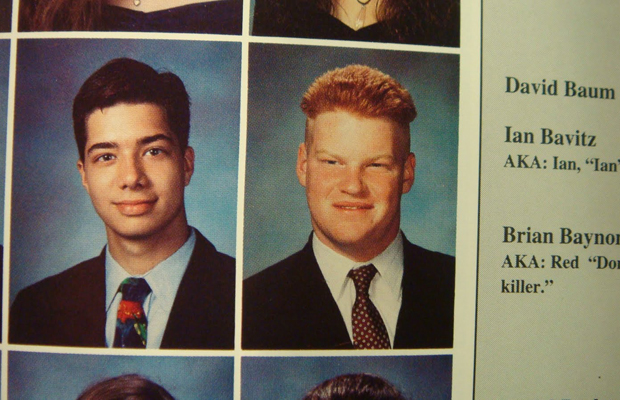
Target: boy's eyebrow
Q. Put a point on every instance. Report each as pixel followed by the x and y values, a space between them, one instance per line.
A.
pixel 142 142
pixel 101 145
pixel 155 138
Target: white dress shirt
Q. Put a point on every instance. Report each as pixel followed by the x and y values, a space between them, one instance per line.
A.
pixel 164 280
pixel 385 289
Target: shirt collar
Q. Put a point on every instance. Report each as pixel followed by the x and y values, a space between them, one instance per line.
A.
pixel 165 277
pixel 335 267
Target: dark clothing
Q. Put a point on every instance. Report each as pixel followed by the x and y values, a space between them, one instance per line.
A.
pixel 438 25
pixel 5 15
pixel 289 305
pixel 222 17
pixel 68 309
pixel 218 17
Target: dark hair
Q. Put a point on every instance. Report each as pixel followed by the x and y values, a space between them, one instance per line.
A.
pixel 124 80
pixel 430 22
pixel 59 15
pixel 355 387
pixel 125 387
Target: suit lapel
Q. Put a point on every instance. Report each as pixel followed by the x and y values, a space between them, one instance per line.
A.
pixel 87 323
pixel 426 314
pixel 181 316
pixel 404 337
pixel 202 315
pixel 324 324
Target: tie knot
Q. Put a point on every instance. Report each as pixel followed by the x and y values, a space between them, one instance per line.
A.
pixel 362 277
pixel 135 289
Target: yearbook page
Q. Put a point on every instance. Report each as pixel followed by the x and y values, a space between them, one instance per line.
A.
pixel 277 199
pixel 548 226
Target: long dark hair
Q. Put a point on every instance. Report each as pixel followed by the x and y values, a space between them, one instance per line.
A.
pixel 59 15
pixel 431 16
pixel 430 22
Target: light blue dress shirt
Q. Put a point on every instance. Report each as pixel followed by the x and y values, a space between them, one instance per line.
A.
pixel 164 280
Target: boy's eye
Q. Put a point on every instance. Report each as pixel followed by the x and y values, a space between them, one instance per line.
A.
pixel 105 157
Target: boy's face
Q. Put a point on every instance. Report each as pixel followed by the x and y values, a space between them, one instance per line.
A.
pixel 135 172
pixel 355 170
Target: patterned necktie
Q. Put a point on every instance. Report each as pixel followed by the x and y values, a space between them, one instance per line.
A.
pixel 369 331
pixel 131 318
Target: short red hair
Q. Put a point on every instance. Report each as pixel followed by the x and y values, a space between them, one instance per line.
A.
pixel 361 90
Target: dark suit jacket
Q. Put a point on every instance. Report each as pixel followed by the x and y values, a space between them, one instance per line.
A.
pixel 289 305
pixel 68 309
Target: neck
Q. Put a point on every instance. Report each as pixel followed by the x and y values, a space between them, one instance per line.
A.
pixel 138 256
pixel 356 14
pixel 152 5
pixel 358 252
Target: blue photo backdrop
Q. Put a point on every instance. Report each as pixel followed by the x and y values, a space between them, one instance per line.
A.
pixel 54 225
pixel 64 376
pixel 277 221
pixel 290 378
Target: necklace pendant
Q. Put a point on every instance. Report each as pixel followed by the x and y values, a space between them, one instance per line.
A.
pixel 137 2
pixel 361 17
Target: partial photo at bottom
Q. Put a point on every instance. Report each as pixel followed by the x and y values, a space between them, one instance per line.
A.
pixel 103 377
pixel 352 378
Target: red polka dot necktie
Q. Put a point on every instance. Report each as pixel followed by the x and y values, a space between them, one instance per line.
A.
pixel 369 331
pixel 131 319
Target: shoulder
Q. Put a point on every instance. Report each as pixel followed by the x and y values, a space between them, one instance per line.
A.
pixel 426 316
pixel 280 301
pixel 284 272
pixel 68 280
pixel 428 264
pixel 203 313
pixel 284 285
pixel 414 251
pixel 206 252
pixel 43 312
pixel 210 268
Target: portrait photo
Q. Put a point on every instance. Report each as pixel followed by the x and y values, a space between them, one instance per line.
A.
pixel 292 378
pixel 174 16
pixel 378 157
pixel 155 190
pixel 67 376
pixel 420 22
pixel 276 221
